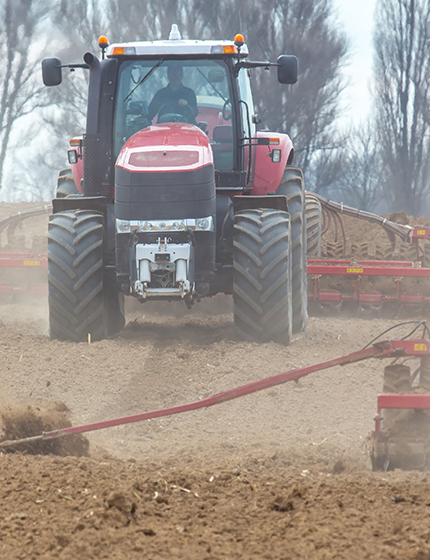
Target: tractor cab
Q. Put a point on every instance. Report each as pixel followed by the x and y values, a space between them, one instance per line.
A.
pixel 204 83
pixel 205 97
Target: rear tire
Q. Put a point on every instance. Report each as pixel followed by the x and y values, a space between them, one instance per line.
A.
pixel 291 186
pixel 65 184
pixel 78 303
pixel 262 276
pixel 313 226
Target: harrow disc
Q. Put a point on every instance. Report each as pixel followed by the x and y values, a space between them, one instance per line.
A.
pixel 404 441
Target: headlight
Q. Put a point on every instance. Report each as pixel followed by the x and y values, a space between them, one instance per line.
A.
pixel 122 226
pixel 199 224
pixel 276 156
pixel 202 223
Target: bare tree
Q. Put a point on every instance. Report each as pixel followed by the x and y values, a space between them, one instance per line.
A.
pixel 402 86
pixel 307 110
pixel 20 89
pixel 359 183
pixel 79 24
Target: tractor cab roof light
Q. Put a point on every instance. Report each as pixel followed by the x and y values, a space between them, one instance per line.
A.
pixel 123 50
pixel 224 49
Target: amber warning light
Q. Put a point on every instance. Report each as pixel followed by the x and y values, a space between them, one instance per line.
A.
pixel 239 40
pixel 103 44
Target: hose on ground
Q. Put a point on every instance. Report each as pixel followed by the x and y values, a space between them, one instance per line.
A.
pixel 14 219
pixel 417 326
pixel 391 228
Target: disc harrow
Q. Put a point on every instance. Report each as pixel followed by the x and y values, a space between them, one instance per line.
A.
pixel 388 278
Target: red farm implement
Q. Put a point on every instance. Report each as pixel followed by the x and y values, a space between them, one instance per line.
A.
pixel 401 438
pixel 347 279
pixel 27 274
pixel 23 271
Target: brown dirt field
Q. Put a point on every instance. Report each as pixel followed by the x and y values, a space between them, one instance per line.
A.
pixel 281 474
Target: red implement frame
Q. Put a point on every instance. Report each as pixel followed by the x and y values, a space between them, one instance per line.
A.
pixel 386 349
pixel 27 262
pixel 398 270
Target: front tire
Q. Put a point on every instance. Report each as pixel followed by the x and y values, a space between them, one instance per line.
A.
pixel 262 276
pixel 65 184
pixel 79 305
pixel 292 187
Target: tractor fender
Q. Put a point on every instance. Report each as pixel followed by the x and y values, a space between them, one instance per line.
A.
pixel 254 202
pixel 96 204
pixel 80 202
pixel 268 173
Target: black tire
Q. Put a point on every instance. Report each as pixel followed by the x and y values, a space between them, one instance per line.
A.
pixel 78 304
pixel 313 226
pixel 262 276
pixel 291 186
pixel 65 184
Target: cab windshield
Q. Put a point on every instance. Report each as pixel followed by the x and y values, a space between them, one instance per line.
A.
pixel 165 90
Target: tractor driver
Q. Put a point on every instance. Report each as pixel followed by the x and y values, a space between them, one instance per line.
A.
pixel 175 93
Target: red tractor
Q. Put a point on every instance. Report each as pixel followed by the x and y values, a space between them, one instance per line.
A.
pixel 176 195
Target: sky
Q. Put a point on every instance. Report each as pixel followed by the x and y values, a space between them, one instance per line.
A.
pixel 356 20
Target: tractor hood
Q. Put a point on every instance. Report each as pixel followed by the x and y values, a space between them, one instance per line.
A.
pixel 165 172
pixel 166 148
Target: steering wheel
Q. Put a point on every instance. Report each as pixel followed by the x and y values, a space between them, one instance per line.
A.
pixel 227 107
pixel 173 112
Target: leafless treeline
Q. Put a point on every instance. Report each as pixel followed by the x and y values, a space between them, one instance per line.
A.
pixel 385 161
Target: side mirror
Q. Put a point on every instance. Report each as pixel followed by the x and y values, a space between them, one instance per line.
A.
pixel 51 71
pixel 288 69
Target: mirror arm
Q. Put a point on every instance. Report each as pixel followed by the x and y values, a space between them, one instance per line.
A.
pixel 73 66
pixel 251 64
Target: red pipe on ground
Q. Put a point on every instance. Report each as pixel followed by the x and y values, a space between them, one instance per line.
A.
pixel 379 350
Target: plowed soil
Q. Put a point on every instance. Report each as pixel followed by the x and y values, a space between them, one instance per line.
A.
pixel 280 474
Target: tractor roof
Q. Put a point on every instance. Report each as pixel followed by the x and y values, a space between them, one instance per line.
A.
pixel 176 46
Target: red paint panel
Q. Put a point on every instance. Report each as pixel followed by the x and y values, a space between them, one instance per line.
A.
pixel 268 174
pixel 166 147
pixel 388 400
